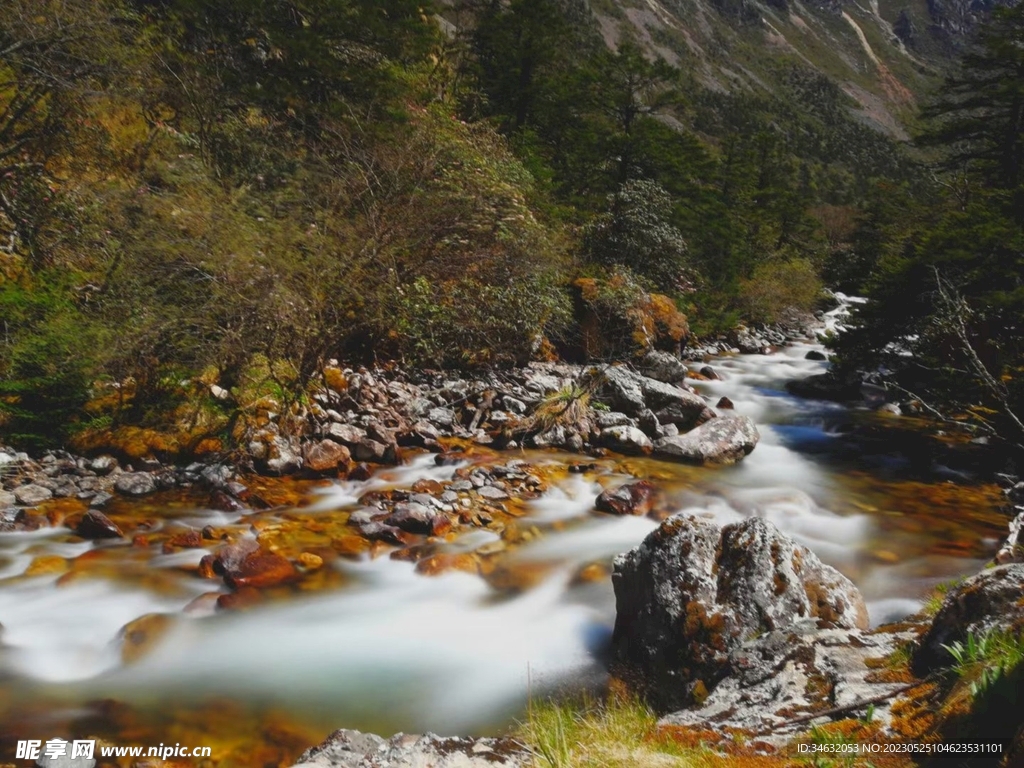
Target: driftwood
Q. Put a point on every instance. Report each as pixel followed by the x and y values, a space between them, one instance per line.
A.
pixel 846 708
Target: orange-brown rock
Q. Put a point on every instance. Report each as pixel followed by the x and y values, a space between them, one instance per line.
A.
pixel 326 456
pixel 260 569
pixel 637 498
pixel 46 565
pixel 241 599
pixel 190 539
pixel 206 569
pixel 310 562
pixel 350 546
pixel 426 485
pixel 441 563
pixel 138 637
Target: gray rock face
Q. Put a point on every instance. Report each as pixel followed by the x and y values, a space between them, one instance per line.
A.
pixel 724 440
pixel 103 465
pixel 795 671
pixel 632 393
pixel 346 434
pixel 663 366
pixel 988 601
pixel 135 483
pixel 32 494
pixel 692 593
pixel 352 749
pixel 626 439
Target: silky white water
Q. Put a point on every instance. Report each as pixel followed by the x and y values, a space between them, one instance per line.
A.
pixel 446 653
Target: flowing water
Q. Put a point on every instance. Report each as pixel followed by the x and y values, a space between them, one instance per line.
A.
pixel 372 644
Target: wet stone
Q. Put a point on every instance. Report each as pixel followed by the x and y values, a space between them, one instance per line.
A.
pixel 631 499
pixel 492 493
pixel 32 494
pixel 95 525
pixel 135 484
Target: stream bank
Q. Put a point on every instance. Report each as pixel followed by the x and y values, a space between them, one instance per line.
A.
pixel 358 609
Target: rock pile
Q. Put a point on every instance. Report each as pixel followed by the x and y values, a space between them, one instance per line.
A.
pixel 353 749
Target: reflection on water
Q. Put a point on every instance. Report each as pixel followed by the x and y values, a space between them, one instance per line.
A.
pixel 381 647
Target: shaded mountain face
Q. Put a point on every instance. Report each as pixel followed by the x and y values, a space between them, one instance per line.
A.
pixel 883 56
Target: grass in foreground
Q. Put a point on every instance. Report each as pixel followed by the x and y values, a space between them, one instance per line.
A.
pixel 584 733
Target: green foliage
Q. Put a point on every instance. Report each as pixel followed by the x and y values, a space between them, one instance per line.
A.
pixel 775 287
pixel 945 279
pixel 196 186
pixel 980 116
pixel 981 661
pixel 635 233
pixel 47 358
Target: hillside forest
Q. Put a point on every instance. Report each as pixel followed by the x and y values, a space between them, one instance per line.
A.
pixel 229 192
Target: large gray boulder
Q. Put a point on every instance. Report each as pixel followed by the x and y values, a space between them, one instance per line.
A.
pixel 663 366
pixel 32 494
pixel 993 600
pixel 692 593
pixel 632 394
pixel 626 439
pixel 353 749
pixel 724 440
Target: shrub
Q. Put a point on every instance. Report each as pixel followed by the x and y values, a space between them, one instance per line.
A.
pixel 635 232
pixel 776 286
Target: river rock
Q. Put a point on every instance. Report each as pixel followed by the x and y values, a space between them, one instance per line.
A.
pixel 492 493
pixel 692 592
pixel 346 434
pixel 353 749
pixel 416 518
pixel 7 499
pixel 259 569
pixel 135 483
pixel 710 373
pixel 442 418
pixel 663 366
pixel 991 600
pixel 617 419
pixel 724 440
pixel 284 457
pixel 375 451
pixel 325 456
pixel 685 416
pixel 626 439
pixel 632 393
pixel 377 531
pixel 32 494
pixel 95 525
pixel 103 465
pixel 815 354
pixel 631 499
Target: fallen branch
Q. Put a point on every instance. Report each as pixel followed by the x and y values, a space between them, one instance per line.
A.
pixel 846 708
